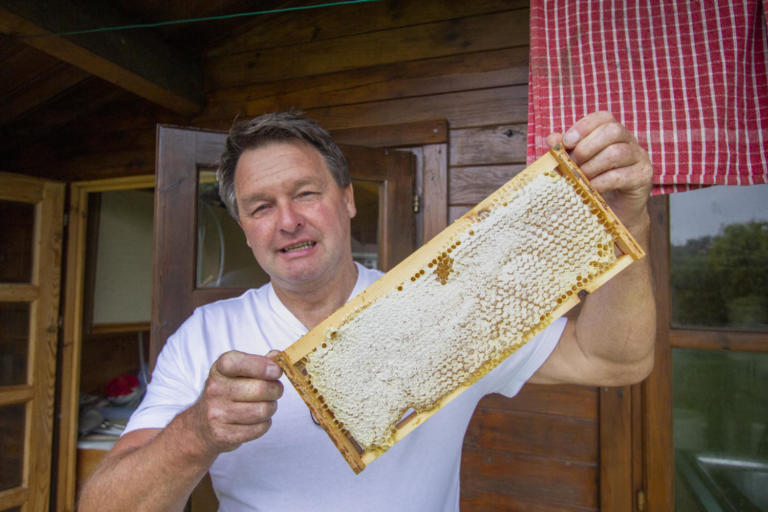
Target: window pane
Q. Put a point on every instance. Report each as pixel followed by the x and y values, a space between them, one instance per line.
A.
pixel 14 343
pixel 12 422
pixel 223 258
pixel 719 257
pixel 365 225
pixel 17 221
pixel 720 416
pixel 122 288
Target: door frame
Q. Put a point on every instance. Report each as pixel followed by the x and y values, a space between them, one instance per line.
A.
pixel 42 293
pixel 72 335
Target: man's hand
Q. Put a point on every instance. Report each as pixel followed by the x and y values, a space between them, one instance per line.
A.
pixel 238 401
pixel 613 161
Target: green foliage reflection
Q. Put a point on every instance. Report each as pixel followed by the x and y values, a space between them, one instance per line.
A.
pixel 722 281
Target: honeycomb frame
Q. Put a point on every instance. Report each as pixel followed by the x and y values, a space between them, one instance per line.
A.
pixel 293 359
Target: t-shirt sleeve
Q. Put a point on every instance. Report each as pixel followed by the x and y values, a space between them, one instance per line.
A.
pixel 510 376
pixel 172 388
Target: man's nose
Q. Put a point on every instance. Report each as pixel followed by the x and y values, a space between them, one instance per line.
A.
pixel 290 218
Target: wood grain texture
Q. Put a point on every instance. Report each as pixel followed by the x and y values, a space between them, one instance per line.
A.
pixel 400 44
pixel 470 185
pixel 295 28
pixel 498 105
pixel 570 401
pixel 548 436
pixel 533 479
pixel 499 144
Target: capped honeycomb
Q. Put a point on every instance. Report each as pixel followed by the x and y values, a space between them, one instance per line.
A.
pixel 456 308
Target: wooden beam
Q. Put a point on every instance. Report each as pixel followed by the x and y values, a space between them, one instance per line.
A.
pixel 135 60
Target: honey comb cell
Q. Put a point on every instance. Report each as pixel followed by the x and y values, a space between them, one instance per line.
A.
pixel 457 307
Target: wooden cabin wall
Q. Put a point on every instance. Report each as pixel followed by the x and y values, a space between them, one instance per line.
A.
pixel 398 62
pixel 382 63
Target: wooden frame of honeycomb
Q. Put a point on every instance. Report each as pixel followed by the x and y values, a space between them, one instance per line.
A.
pixel 555 239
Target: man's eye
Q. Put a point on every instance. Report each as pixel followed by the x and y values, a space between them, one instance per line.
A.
pixel 306 193
pixel 259 209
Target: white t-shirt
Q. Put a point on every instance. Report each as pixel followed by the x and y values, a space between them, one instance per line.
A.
pixel 295 466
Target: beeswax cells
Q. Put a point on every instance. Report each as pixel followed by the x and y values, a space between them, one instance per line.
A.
pixel 485 293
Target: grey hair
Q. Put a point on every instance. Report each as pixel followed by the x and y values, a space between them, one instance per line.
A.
pixel 276 127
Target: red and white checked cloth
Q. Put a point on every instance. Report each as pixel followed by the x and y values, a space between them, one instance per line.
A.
pixel 687 77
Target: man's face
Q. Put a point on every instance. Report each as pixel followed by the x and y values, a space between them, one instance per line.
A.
pixel 295 218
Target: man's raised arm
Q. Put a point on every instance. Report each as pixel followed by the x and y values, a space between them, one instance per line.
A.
pixel 611 341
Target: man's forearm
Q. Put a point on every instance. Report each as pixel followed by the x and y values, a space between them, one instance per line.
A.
pixel 617 323
pixel 149 472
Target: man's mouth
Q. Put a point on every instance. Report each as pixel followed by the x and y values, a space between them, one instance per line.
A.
pixel 299 246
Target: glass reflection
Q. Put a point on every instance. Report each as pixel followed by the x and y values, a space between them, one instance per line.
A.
pixel 365 225
pixel 719 257
pixel 17 221
pixel 223 258
pixel 14 343
pixel 720 430
pixel 12 426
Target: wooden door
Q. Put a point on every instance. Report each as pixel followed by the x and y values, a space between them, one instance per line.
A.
pixel 31 213
pixel 185 159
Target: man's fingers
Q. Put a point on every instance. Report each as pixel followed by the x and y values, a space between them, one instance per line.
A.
pixel 602 136
pixel 554 138
pixel 585 126
pixel 243 413
pixel 611 157
pixel 249 390
pixel 239 364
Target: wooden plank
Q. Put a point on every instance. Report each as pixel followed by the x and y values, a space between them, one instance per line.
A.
pixel 456 212
pixel 498 105
pixel 20 188
pixel 541 435
pixel 390 136
pixel 16 394
pixel 657 388
pixel 37 92
pixel 502 144
pixel 430 40
pixel 434 190
pixel 715 339
pixel 15 497
pixel 496 68
pixel 493 502
pixel 470 185
pixel 138 61
pixel 299 27
pixel 572 401
pixel 532 479
pixel 43 343
pixel 477 70
pixel 18 292
pixel 616 492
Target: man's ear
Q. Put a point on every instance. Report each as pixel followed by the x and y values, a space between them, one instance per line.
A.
pixel 349 200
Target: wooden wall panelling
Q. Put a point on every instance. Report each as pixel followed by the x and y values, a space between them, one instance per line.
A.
pixel 461 109
pixel 303 27
pixel 507 66
pixel 438 39
pixel 568 485
pixel 489 144
pixel 616 448
pixel 658 454
pixel 470 185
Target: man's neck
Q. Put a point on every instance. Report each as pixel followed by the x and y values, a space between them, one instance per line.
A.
pixel 313 304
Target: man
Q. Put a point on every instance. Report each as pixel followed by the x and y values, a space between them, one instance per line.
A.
pixel 213 403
